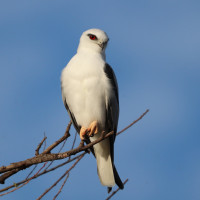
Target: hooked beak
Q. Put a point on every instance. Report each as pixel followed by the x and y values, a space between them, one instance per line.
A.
pixel 102 44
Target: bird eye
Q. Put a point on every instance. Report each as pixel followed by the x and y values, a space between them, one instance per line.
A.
pixel 92 37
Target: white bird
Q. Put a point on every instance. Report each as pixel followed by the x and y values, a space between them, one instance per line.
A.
pixel 90 95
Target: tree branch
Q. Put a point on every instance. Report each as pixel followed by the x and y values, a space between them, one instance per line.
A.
pixel 46 156
pixel 61 177
pixel 56 143
pixel 53 156
pixel 124 129
pixel 42 173
pixel 39 146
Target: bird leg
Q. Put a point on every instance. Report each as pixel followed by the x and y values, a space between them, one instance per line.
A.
pixel 93 129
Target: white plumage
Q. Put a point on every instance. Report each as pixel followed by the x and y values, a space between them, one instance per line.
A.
pixel 85 87
pixel 88 94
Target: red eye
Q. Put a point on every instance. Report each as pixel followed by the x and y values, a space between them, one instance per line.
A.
pixel 92 37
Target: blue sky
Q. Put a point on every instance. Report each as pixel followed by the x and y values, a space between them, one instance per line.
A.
pixel 154 49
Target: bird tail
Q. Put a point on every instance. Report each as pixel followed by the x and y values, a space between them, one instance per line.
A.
pixel 107 172
pixel 117 179
pixel 104 163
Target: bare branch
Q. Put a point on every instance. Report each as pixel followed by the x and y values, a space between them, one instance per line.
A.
pixel 7 175
pixel 16 188
pixel 56 143
pixel 42 173
pixel 31 172
pixel 61 177
pixel 39 146
pixel 46 156
pixel 133 122
pixel 61 187
pixel 49 157
pixel 67 176
pixel 67 131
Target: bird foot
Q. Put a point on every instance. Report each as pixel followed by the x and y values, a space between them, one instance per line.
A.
pixel 93 129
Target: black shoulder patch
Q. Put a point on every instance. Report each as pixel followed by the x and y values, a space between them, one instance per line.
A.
pixel 111 75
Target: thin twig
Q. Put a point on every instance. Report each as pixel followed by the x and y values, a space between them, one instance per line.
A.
pixel 40 197
pixel 27 181
pixel 37 153
pixel 45 142
pixel 39 146
pixel 67 131
pixel 114 192
pixel 74 141
pixel 67 176
pixel 133 122
pixel 56 143
pixel 31 172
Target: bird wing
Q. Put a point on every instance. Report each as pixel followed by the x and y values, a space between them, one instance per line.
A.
pixel 76 126
pixel 73 119
pixel 112 116
pixel 112 107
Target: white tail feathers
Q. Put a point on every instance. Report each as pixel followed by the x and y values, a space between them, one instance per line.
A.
pixel 105 171
pixel 104 163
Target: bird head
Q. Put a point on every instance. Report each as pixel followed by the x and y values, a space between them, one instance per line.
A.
pixel 94 40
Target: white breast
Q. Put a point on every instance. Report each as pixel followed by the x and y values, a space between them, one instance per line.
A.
pixel 86 88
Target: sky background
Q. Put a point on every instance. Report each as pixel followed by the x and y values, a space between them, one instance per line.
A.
pixel 154 49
